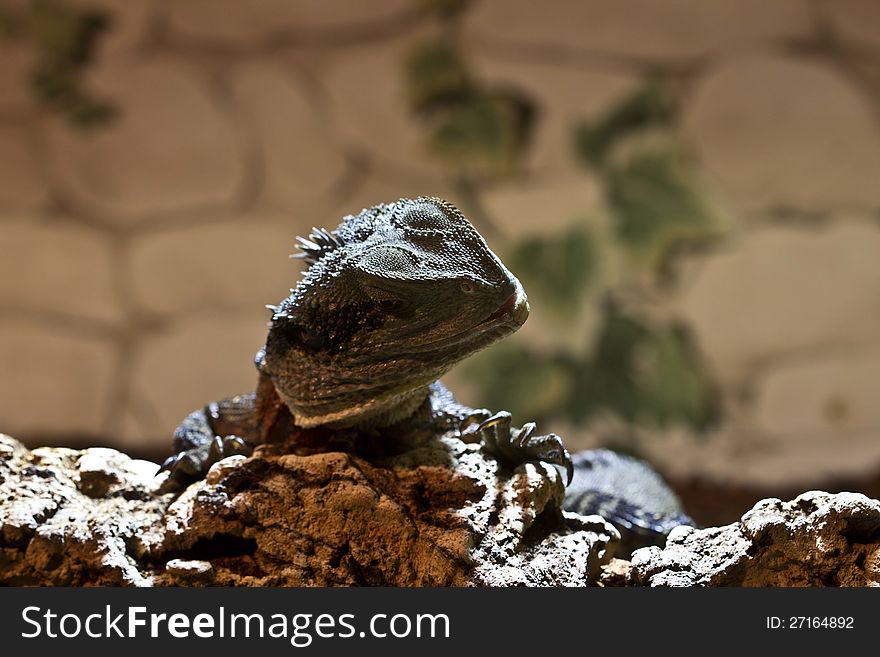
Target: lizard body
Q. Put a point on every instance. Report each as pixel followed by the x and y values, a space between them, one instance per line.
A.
pixel 392 299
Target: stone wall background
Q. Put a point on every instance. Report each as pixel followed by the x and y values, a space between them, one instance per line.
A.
pixel 136 256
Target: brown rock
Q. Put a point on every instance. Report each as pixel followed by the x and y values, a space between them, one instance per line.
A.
pixel 440 513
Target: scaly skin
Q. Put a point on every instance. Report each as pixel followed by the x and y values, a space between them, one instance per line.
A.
pixel 392 299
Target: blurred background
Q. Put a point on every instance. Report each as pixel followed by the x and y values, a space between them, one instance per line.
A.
pixel 689 191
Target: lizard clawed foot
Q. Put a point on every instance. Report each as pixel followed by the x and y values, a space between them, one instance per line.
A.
pixel 516 446
pixel 192 464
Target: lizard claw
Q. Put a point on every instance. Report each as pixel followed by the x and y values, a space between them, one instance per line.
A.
pixel 515 446
pixel 190 465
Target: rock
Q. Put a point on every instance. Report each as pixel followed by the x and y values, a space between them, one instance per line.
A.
pixel 439 513
pixel 615 572
pixel 221 468
pixel 189 572
pixel 817 539
pixel 75 517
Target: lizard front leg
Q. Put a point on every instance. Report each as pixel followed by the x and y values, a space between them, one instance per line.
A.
pixel 218 430
pixel 516 446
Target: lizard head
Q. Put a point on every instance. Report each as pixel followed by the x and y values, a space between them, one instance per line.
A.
pixel 392 299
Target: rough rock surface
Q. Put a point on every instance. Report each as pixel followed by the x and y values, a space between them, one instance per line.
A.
pixel 75 517
pixel 438 513
pixel 817 539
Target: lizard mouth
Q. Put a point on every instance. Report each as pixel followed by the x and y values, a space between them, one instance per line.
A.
pixel 503 309
pixel 508 317
pixel 504 320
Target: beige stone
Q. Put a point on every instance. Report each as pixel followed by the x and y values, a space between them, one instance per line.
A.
pixel 381 186
pixel 302 158
pixel 249 21
pixel 204 358
pixel 856 20
pixel 543 207
pixel 834 396
pixel 17 61
pixel 549 208
pixel 127 27
pixel 565 97
pixel 674 28
pixel 369 106
pixel 22 186
pixel 52 384
pixel 215 269
pixel 780 290
pixel 171 147
pixel 775 131
pixel 57 268
pixel 740 455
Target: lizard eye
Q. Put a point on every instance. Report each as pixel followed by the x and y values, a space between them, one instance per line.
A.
pixel 466 287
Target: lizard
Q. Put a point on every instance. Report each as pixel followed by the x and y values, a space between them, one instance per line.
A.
pixel 628 493
pixel 391 300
